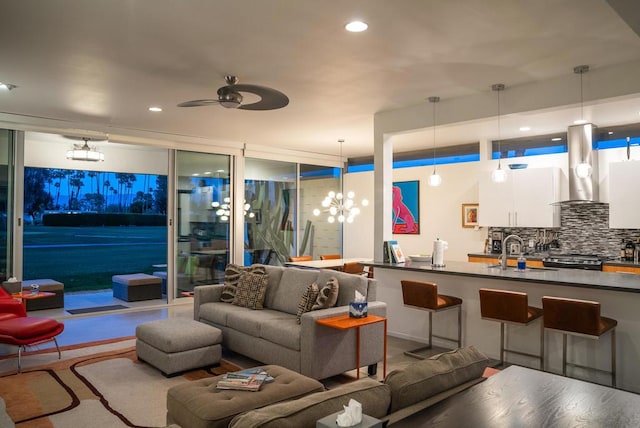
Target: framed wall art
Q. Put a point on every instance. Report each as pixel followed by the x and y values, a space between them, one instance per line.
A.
pixel 406 207
pixel 469 215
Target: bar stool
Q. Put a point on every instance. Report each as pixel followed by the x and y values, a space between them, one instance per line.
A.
pixel 424 295
pixel 579 318
pixel 510 307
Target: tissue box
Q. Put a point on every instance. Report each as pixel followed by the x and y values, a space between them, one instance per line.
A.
pixel 367 421
pixel 358 309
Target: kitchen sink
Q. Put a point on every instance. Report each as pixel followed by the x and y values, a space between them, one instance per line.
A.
pixel 498 266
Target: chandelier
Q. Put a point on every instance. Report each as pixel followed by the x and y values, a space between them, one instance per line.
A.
pixel 339 206
pixel 85 153
pixel 224 209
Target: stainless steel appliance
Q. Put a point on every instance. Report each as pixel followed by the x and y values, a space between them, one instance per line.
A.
pixel 574 261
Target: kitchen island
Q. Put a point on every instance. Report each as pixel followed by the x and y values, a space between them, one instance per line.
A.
pixel 619 294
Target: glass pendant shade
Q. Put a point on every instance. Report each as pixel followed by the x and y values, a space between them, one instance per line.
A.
pixel 499 175
pixel 435 179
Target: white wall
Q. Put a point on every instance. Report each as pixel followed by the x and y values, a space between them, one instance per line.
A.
pixel 441 207
pixel 440 212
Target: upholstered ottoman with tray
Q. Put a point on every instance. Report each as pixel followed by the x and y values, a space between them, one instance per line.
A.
pixel 49 285
pixel 137 286
pixel 174 345
pixel 199 404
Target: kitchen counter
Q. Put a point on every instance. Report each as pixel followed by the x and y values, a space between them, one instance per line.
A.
pixel 618 294
pixel 615 266
pixel 565 277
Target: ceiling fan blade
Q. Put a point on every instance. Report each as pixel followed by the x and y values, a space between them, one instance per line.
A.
pixel 271 99
pixel 198 103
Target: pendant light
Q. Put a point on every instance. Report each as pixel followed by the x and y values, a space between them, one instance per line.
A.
pixel 85 152
pixel 499 175
pixel 340 207
pixel 434 179
pixel 583 169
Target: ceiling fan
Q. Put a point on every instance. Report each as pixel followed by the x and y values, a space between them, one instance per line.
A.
pixel 230 97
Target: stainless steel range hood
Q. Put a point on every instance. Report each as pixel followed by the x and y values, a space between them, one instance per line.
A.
pixel 582 187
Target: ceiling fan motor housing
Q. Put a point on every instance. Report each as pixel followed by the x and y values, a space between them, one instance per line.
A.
pixel 228 98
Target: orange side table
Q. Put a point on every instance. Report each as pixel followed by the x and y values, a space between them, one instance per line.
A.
pixel 345 322
pixel 27 295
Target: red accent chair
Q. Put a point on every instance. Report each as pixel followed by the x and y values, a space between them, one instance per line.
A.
pixel 16 328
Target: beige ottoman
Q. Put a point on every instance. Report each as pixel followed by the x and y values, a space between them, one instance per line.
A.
pixel 199 404
pixel 136 287
pixel 49 285
pixel 174 345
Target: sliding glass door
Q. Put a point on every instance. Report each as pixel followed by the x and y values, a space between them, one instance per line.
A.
pixel 203 207
pixel 6 203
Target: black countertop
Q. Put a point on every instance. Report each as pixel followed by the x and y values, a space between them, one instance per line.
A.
pixel 624 282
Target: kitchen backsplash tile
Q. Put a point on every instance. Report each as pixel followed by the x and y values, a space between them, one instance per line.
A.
pixel 584 230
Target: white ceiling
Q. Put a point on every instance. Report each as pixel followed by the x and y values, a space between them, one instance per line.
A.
pixel 99 65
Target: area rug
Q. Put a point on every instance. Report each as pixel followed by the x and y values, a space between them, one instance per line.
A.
pixel 106 389
pixel 96 309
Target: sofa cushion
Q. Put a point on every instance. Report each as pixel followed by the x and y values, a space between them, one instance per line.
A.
pixel 217 312
pixel 275 275
pixel 349 283
pixel 250 290
pixel 305 411
pixel 328 295
pixel 282 331
pixel 293 284
pixel 249 321
pixel 423 379
pixel 307 300
pixel 232 274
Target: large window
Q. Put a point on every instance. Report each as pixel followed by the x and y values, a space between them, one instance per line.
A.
pixel 270 195
pixel 83 226
pixel 6 202
pixel 203 203
pixel 318 235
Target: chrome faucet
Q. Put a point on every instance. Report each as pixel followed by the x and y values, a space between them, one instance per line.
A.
pixel 503 257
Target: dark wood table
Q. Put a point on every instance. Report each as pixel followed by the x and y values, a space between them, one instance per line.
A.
pixel 521 397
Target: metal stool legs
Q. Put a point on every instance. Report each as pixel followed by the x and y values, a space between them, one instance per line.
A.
pixel 414 352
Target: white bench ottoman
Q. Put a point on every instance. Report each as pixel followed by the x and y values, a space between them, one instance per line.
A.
pixel 175 345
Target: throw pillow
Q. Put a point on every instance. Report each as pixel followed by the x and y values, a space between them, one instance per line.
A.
pixel 307 300
pixel 232 275
pixel 251 290
pixel 328 295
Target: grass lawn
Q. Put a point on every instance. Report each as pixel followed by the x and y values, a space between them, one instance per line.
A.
pixel 85 258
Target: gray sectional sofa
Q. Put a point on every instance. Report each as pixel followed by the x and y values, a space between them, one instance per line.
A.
pixel 273 336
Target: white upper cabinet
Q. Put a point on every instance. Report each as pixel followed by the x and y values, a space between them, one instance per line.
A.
pixel 524 200
pixel 624 198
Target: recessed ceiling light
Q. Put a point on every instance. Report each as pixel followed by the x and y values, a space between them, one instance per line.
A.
pixel 7 86
pixel 557 139
pixel 610 132
pixel 220 170
pixel 356 26
pixel 207 173
pixel 580 122
pixel 525 128
pixel 155 109
pixel 195 174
